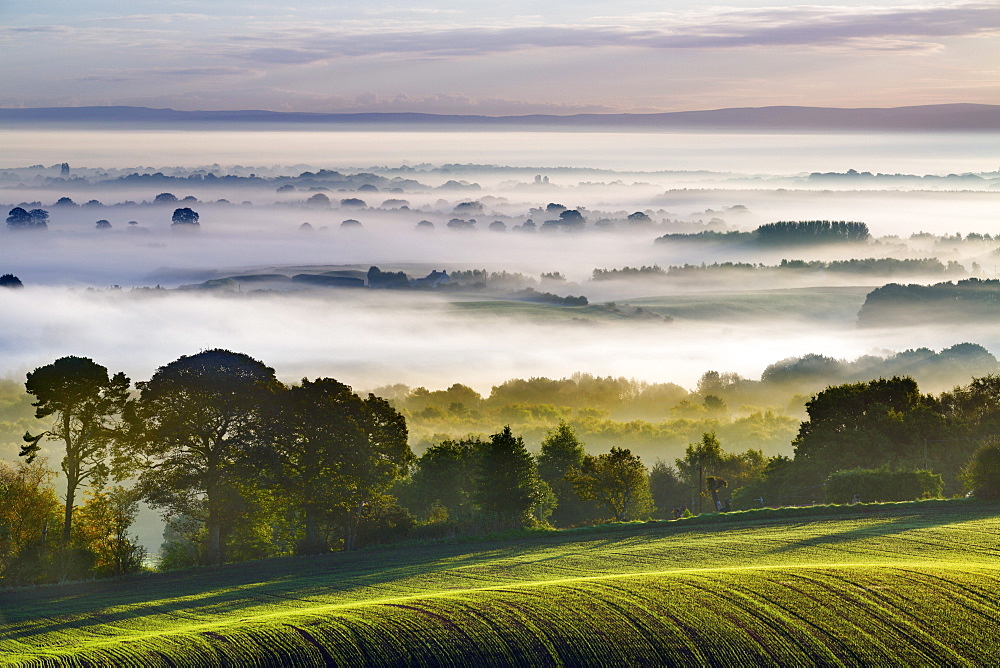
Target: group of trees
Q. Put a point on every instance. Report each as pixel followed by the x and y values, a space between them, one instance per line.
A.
pixel 783 233
pixel 474 485
pixel 241 465
pixel 21 219
pixel 886 424
pixel 970 300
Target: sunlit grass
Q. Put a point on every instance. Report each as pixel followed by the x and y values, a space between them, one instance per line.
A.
pixel 910 581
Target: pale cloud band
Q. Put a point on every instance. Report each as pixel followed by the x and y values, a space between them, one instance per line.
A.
pixel 324 61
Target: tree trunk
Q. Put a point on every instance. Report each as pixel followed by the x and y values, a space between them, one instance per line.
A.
pixel 313 542
pixel 71 466
pixel 68 512
pixel 351 526
pixel 214 527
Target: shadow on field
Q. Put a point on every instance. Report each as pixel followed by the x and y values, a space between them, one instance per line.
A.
pixel 200 594
pixel 882 527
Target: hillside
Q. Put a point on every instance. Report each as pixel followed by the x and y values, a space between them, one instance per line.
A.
pixel 901 584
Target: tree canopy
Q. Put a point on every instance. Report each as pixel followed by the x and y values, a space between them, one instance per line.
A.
pixel 200 421
pixel 85 403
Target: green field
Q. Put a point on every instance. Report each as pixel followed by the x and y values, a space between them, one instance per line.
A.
pixel 808 304
pixel 830 304
pixel 896 584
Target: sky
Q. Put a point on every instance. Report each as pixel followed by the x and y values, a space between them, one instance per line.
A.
pixel 515 57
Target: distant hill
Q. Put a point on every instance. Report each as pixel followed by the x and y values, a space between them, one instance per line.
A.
pixel 927 118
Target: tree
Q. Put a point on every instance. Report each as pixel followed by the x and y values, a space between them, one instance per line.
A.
pixel 982 475
pixel 561 452
pixel 714 484
pixel 667 489
pixel 165 198
pixel 102 528
pixel 506 488
pixel 86 403
pixel 183 217
pixel 867 425
pixel 441 487
pixel 18 219
pixel 28 507
pixel 617 481
pixel 202 422
pixel 338 453
pixel 707 459
pixel 10 281
pixel 319 200
pixel 39 218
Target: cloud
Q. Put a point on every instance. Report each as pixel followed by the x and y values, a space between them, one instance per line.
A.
pixel 895 29
pixel 147 73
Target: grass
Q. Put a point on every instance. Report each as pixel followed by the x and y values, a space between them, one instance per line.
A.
pixel 903 584
pixel 808 304
pixel 823 304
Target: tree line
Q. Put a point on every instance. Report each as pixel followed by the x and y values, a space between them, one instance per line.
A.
pixel 243 466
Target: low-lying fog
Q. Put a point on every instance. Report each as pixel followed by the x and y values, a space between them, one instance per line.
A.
pixel 370 337
pixel 924 152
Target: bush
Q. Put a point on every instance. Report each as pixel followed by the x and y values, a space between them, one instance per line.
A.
pixel 982 475
pixel 883 484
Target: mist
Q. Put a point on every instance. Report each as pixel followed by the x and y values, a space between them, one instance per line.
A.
pixel 372 338
pixel 253 221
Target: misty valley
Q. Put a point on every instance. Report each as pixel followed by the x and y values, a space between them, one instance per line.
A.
pixel 297 360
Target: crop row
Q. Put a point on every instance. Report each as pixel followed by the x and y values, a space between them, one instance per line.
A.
pixel 843 615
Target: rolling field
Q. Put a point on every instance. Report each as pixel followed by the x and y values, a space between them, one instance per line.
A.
pixel 898 584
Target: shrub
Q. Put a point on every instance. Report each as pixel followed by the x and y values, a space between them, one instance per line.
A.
pixel 982 474
pixel 883 484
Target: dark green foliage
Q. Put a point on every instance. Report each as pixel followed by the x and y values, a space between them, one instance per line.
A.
pixel 982 475
pixel 707 459
pixel 338 454
pixel 203 422
pixel 561 452
pixel 384 521
pixel 628 272
pixel 532 295
pixel 184 216
pixel 20 219
pixel 973 411
pixel 882 484
pixel 506 486
pixel 441 487
pixel 387 279
pixel 779 484
pixel 810 232
pixel 85 403
pixel 667 489
pixel 867 425
pixel 971 299
pixel 471 486
pixel 10 281
pixel 617 482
